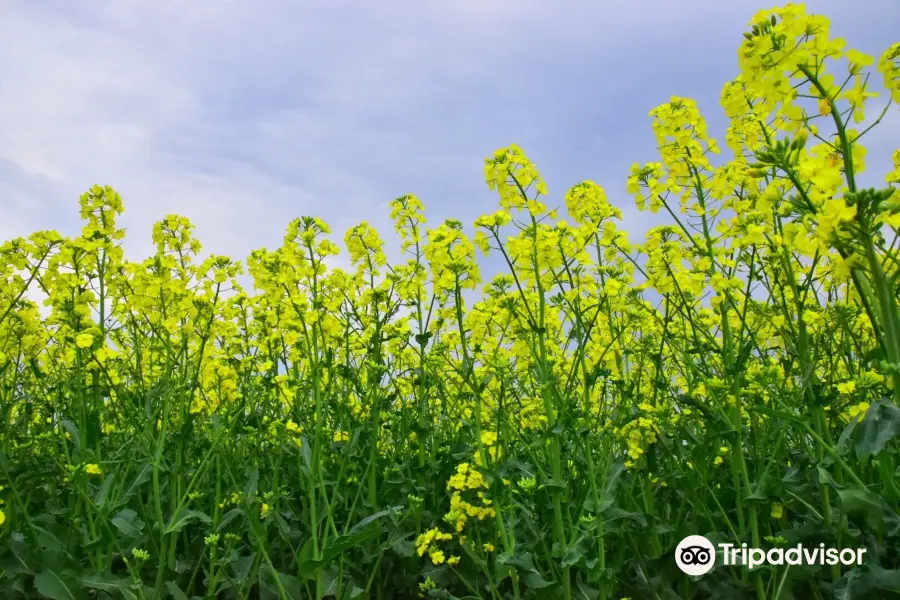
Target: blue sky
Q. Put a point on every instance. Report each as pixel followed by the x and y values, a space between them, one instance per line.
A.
pixel 244 114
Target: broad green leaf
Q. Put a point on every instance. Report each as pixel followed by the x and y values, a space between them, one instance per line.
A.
pixel 269 587
pixel 535 581
pixel 128 522
pixel 309 566
pixel 175 591
pixel 73 430
pixel 228 517
pixel 140 479
pixel 583 592
pixel 574 553
pixel 51 585
pixel 857 501
pixel 185 517
pixel 524 563
pixel 880 425
pixel 103 493
pixel 114 586
pixel 614 513
pixel 372 518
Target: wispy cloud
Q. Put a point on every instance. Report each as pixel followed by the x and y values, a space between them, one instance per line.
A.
pixel 242 115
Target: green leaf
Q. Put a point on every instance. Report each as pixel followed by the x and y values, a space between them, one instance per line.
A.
pixel 282 525
pixel 662 529
pixel 373 517
pixel 108 583
pixel 142 477
pixel 309 565
pixel 611 483
pixel 404 548
pixel 535 581
pixel 793 475
pixel 758 495
pixel 523 560
pixel 305 452
pixel 884 579
pixel 51 585
pixel 73 430
pixel 554 484
pixel 128 522
pixel 103 493
pixel 184 517
pixel 858 501
pixel 268 584
pixel 230 516
pixel 242 565
pixel 574 553
pixel 47 540
pixel 175 591
pixel 583 592
pixel 843 589
pixel 880 425
pixel 524 563
pixel 843 444
pixel 824 475
pixel 21 561
pixel 252 484
pixel 614 513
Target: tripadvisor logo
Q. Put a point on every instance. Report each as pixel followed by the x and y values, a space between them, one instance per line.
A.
pixel 696 555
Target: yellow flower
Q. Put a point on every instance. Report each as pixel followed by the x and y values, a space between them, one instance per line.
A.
pixel 847 387
pixel 858 60
pixel 889 65
pixel 93 469
pixel 2 517
pixel 777 511
pixel 489 548
pixel 860 409
pixel 84 340
pixel 453 561
pixel 264 510
pixel 426 539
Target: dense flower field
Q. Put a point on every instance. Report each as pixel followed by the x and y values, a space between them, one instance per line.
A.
pixel 197 427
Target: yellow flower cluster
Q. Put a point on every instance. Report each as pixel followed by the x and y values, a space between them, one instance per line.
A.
pixel 427 542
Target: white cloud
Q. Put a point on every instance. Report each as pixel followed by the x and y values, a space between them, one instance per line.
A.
pixel 243 114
